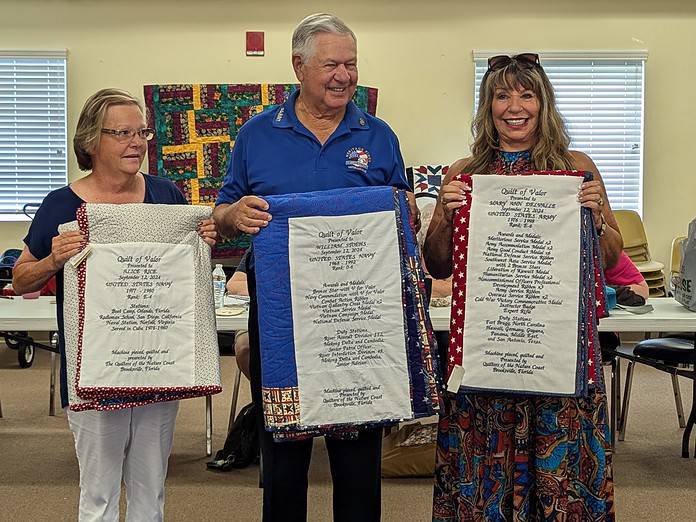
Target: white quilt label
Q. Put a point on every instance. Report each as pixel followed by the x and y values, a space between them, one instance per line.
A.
pixel 347 310
pixel 139 316
pixel 522 288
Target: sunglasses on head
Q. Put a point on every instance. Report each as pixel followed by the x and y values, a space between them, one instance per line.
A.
pixel 523 61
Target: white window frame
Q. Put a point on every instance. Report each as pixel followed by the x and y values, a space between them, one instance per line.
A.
pixel 33 128
pixel 620 187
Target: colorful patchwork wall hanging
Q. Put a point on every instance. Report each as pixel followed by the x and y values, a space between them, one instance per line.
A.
pixel 426 179
pixel 195 129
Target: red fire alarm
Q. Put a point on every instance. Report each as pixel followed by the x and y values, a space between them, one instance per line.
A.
pixel 254 43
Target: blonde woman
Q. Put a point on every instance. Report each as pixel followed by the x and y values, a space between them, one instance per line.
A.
pixel 130 444
pixel 507 457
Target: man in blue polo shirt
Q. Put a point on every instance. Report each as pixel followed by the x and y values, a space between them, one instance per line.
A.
pixel 317 140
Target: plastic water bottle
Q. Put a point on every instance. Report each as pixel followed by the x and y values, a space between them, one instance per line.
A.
pixel 219 280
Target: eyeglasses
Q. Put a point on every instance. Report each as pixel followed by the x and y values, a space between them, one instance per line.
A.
pixel 523 61
pixel 126 135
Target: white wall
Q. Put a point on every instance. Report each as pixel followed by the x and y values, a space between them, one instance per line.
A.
pixel 418 53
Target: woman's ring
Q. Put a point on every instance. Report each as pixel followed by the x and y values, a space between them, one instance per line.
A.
pixel 601 201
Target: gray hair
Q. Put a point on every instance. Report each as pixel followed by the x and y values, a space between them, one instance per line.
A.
pixel 303 37
pixel 89 124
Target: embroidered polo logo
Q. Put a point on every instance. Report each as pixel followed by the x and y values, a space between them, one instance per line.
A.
pixel 358 159
pixel 280 115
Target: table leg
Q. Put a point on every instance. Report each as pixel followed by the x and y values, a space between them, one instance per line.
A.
pixel 208 425
pixel 52 386
pixel 689 425
pixel 235 398
pixel 692 415
pixel 614 403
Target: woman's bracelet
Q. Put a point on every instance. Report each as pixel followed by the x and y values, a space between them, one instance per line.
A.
pixel 602 228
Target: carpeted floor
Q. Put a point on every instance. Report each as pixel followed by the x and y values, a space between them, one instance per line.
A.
pixel 39 476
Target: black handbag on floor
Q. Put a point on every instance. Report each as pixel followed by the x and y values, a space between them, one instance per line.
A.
pixel 242 444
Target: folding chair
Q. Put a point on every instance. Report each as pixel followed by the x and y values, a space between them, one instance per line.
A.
pixel 675 355
pixel 636 247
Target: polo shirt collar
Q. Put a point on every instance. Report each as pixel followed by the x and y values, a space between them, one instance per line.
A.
pixel 285 114
pixel 355 118
pixel 286 117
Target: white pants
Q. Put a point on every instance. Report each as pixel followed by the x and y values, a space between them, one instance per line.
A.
pixel 132 444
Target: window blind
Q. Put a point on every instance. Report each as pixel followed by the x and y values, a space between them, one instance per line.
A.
pixel 33 158
pixel 601 98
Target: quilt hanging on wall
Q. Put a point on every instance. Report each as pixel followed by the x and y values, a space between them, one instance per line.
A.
pixel 425 180
pixel 195 129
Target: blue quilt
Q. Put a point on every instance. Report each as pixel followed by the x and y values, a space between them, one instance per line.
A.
pixel 281 389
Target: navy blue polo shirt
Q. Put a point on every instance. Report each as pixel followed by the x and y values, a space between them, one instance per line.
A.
pixel 275 154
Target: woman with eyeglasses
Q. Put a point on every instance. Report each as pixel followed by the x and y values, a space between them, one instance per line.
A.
pixel 129 444
pixel 514 457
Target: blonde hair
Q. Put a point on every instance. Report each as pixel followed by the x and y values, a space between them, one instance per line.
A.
pixel 551 148
pixel 89 125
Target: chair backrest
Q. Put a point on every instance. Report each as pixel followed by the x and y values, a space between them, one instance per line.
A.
pixel 7 261
pixel 638 254
pixel 634 237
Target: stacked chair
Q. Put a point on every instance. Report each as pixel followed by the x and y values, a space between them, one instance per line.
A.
pixel 636 246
